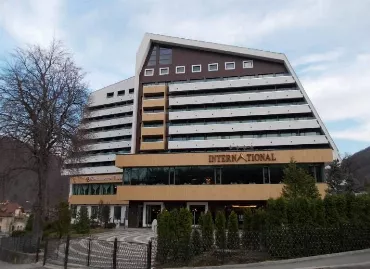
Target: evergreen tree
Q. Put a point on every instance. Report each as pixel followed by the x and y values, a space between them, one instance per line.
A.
pixel 83 222
pixel 29 223
pixel 298 183
pixel 247 236
pixel 233 240
pixel 207 230
pixel 184 229
pixel 63 221
pixel 163 232
pixel 335 178
pixel 105 215
pixel 319 213
pixel 196 242
pixel 220 224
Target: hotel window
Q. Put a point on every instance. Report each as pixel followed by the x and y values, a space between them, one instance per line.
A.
pixel 213 67
pixel 74 211
pixel 153 57
pixel 165 56
pixel 120 93
pixel 196 68
pixel 131 91
pixel 180 69
pixel 164 71
pixel 229 65
pixel 94 211
pixel 248 64
pixel 110 94
pixel 149 72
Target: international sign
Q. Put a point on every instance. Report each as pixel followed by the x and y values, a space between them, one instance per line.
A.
pixel 246 157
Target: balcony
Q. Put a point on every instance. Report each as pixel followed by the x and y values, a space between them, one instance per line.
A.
pixel 160 116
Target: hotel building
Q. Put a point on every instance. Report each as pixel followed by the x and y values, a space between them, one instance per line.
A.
pixel 200 125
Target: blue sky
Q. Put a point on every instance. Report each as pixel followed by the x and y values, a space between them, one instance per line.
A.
pixel 327 41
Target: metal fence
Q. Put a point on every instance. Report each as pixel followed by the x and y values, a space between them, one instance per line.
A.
pixel 98 253
pixel 26 244
pixel 262 245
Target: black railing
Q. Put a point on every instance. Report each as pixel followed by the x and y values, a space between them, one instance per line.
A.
pixel 262 245
pixel 25 244
pixel 98 253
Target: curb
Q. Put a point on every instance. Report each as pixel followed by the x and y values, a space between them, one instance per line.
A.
pixel 288 261
pixel 343 266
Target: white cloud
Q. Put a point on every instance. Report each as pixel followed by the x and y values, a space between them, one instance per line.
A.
pixel 342 92
pixel 319 57
pixel 320 35
pixel 361 133
pixel 29 21
pixel 238 22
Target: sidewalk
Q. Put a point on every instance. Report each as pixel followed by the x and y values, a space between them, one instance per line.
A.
pixel 352 260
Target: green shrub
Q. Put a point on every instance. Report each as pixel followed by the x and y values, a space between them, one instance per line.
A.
pixel 18 233
pixel 110 225
pixel 319 213
pixel 249 237
pixel 82 225
pixel 258 220
pixel 220 225
pixel 207 230
pixel 233 240
pixel 331 214
pixel 172 236
pixel 184 229
pixel 63 222
pixel 196 242
pixel 163 231
pixel 29 224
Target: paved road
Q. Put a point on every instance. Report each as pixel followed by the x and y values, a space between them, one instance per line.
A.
pixel 4 265
pixel 131 251
pixel 335 260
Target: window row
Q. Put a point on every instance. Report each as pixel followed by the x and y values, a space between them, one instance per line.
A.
pixel 83 165
pixel 108 151
pixel 95 189
pixel 111 116
pixel 110 139
pixel 245 119
pixel 111 105
pixel 211 175
pixel 225 91
pixel 260 134
pixel 111 128
pixel 249 148
pixel 197 68
pixel 246 104
pixel 120 93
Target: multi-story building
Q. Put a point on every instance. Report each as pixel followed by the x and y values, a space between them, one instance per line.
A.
pixel 200 125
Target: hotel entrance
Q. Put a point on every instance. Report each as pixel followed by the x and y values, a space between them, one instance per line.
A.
pixel 196 209
pixel 151 212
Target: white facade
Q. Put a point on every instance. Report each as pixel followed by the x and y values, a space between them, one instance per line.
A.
pixel 110 128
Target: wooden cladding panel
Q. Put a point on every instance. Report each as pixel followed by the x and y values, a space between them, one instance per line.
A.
pixel 95 199
pixel 237 192
pixel 153 116
pixel 96 179
pixel 152 131
pixel 154 102
pixel 152 145
pixel 188 159
pixel 155 88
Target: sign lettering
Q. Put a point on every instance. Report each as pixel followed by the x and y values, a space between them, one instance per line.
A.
pixel 246 157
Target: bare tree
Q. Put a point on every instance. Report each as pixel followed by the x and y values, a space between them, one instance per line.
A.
pixel 42 101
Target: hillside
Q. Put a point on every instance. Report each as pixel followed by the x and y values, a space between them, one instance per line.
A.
pixel 360 166
pixel 21 185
